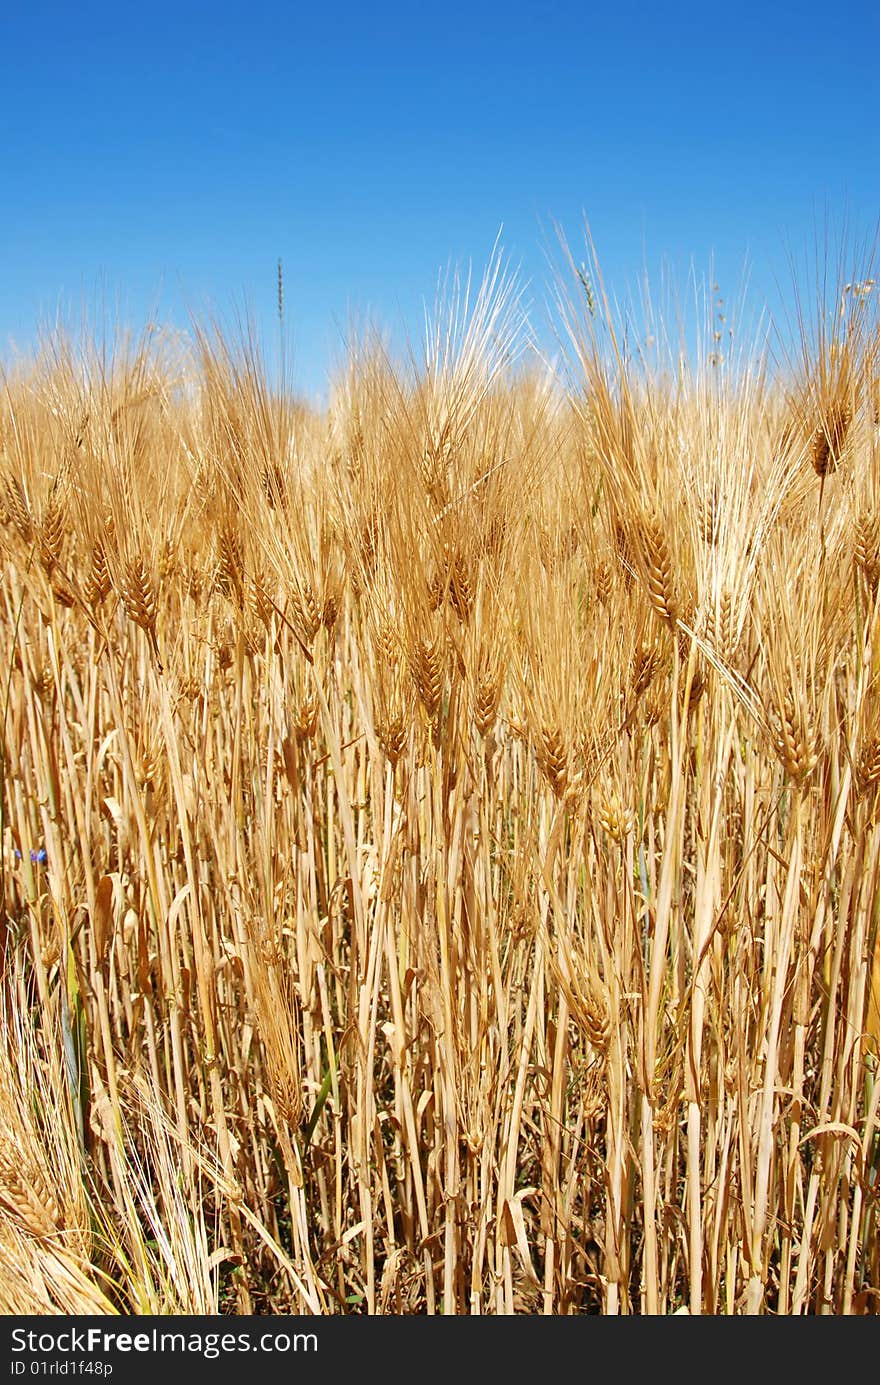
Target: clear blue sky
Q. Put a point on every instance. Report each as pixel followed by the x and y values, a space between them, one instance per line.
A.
pixel 165 155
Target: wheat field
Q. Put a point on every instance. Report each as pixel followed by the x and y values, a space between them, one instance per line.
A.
pixel 440 848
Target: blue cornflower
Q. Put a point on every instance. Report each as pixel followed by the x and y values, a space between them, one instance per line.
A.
pixel 37 857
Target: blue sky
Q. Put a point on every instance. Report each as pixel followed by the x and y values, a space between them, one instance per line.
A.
pixel 163 157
